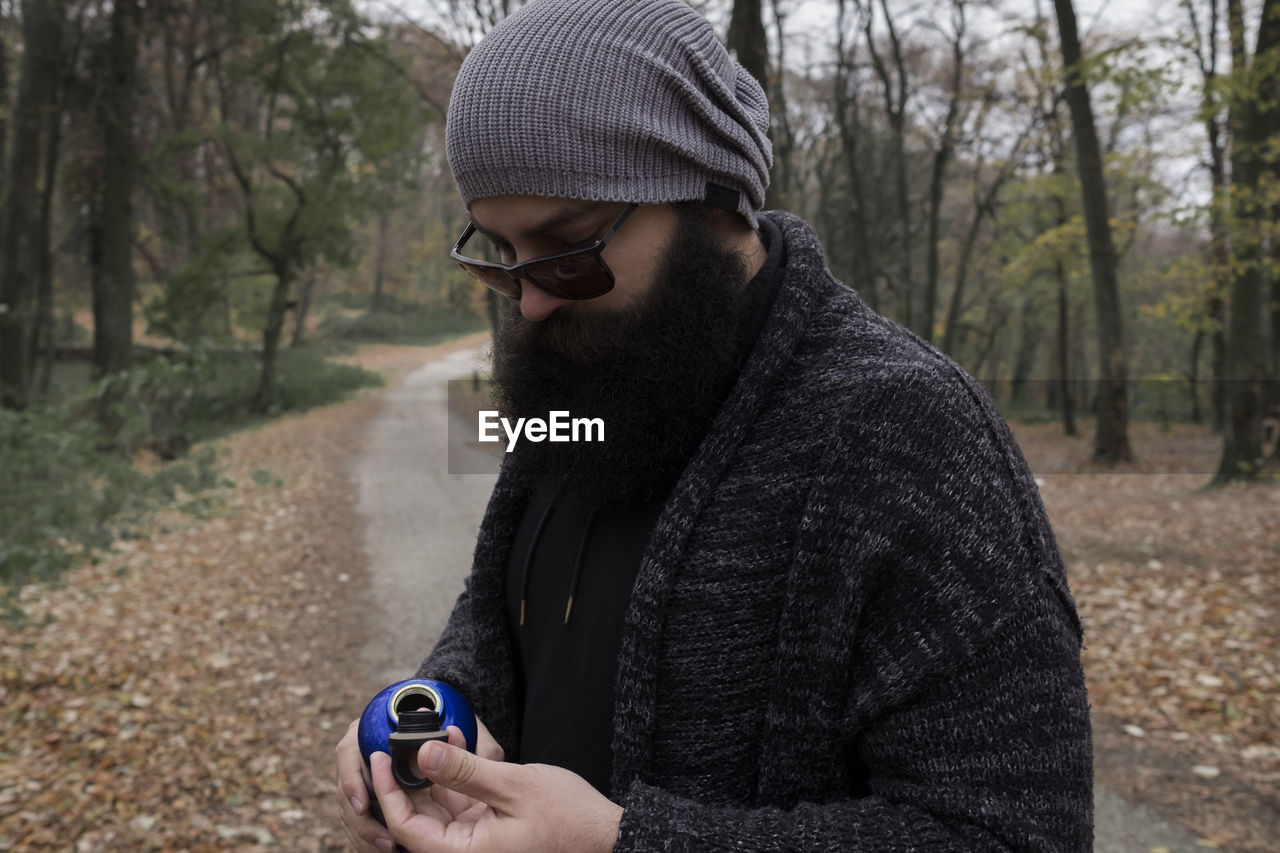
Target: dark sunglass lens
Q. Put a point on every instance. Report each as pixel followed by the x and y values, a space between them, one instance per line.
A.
pixel 498 280
pixel 572 277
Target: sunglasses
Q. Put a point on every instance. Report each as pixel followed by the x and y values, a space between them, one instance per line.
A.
pixel 576 274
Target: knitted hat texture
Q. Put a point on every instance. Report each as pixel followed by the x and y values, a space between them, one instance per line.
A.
pixel 608 100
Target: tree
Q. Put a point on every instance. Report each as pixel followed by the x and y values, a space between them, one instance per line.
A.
pixel 896 92
pixel 112 234
pixel 848 118
pixel 1253 174
pixel 1205 48
pixel 782 133
pixel 28 173
pixel 1111 440
pixel 942 157
pixel 310 122
pixel 746 39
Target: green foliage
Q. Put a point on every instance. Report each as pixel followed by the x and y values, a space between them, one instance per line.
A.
pixel 307 380
pixel 191 307
pixel 403 323
pixel 154 402
pixel 343 127
pixel 1162 398
pixel 72 487
pixel 1186 284
pixel 439 278
pixel 218 389
pixel 66 493
pixel 363 301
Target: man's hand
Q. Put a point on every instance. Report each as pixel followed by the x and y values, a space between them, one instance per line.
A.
pixel 366 834
pixel 505 807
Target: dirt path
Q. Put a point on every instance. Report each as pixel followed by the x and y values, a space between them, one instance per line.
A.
pixel 420 520
pixel 186 693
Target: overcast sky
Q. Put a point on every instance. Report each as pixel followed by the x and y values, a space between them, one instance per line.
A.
pixel 810 25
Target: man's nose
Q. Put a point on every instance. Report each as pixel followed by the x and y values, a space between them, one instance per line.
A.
pixel 536 304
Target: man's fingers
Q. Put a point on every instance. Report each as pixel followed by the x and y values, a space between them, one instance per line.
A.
pixel 451 801
pixel 395 803
pixel 486 746
pixel 397 808
pixel 351 771
pixel 352 793
pixel 458 770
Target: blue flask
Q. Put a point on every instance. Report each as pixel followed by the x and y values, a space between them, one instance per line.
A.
pixel 404 716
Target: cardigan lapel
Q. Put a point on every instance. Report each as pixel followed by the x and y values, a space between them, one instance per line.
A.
pixel 802 290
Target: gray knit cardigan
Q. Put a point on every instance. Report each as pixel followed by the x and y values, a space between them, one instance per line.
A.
pixel 851 629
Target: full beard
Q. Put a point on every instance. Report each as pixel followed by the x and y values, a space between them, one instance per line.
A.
pixel 656 373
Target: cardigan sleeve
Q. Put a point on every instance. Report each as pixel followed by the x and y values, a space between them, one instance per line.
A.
pixel 452 660
pixel 934 572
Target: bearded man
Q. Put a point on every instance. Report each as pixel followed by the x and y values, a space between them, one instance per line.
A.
pixel 805 594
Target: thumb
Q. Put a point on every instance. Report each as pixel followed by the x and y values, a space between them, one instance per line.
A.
pixel 491 782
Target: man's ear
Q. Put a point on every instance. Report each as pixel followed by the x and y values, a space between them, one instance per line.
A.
pixel 728 225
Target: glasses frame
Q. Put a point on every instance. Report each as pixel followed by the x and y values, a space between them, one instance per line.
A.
pixel 516 273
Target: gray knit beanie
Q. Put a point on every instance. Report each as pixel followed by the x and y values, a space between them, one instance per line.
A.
pixel 609 100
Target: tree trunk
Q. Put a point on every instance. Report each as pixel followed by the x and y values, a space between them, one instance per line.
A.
pixel 1275 304
pixel 995 351
pixel 380 265
pixel 937 181
pixel 1111 440
pixel 895 93
pixel 951 334
pixel 304 308
pixel 1197 344
pixel 34 117
pixel 268 393
pixel 1219 242
pixel 113 296
pixel 1064 352
pixel 4 104
pixel 865 268
pixel 998 317
pixel 984 207
pixel 1246 348
pixel 746 38
pixel 43 343
pixel 1086 392
pixel 1025 356
pixel 778 195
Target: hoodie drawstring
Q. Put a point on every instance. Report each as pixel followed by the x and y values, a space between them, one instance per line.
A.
pixel 577 562
pixel 533 545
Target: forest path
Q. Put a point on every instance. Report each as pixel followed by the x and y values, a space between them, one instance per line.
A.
pixel 421 521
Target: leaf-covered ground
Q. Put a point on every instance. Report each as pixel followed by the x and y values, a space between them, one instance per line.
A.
pixel 1179 592
pixel 186 693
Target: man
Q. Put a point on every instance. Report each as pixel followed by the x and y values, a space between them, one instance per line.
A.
pixel 805 595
